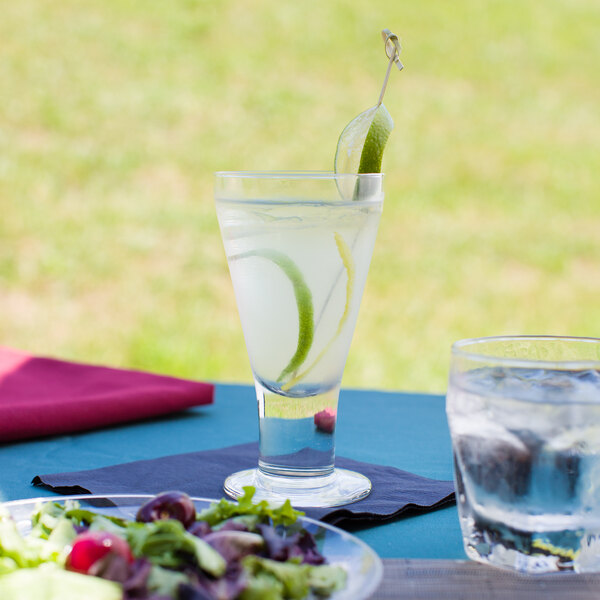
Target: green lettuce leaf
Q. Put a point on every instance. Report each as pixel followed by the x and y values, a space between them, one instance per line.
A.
pixel 220 511
pixel 292 575
pixel 168 544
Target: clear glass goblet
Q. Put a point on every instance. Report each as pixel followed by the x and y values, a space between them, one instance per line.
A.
pixel 298 246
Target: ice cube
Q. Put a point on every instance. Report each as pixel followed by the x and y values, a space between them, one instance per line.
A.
pixel 499 464
pixel 591 376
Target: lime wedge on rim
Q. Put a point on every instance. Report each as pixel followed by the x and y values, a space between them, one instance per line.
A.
pixel 360 146
pixel 362 142
pixel 377 137
pixel 351 142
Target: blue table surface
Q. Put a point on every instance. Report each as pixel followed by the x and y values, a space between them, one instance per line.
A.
pixel 405 430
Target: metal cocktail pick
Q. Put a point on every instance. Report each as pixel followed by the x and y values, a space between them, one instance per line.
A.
pixel 392 51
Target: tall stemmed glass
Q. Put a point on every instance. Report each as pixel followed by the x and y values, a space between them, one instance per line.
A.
pixel 298 245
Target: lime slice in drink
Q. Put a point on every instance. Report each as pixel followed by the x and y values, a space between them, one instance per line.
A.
pixel 346 255
pixel 304 302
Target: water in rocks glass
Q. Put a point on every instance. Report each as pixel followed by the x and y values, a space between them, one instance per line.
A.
pixel 524 415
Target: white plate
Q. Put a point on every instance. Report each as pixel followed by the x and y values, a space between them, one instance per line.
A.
pixel 363 566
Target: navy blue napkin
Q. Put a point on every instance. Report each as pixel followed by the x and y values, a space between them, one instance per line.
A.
pixel 395 493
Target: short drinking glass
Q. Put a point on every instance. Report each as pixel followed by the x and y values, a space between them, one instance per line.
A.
pixel 298 245
pixel 524 415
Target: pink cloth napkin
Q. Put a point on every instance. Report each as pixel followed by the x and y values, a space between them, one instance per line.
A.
pixel 45 396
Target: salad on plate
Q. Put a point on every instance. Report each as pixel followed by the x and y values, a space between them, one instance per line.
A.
pixel 170 551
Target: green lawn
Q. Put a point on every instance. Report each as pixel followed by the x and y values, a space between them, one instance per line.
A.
pixel 114 115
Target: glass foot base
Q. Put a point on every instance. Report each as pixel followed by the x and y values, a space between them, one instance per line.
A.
pixel 340 487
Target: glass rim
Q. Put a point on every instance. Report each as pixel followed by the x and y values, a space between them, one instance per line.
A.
pixel 510 361
pixel 294 175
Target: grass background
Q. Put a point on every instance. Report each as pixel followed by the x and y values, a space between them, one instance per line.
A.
pixel 114 115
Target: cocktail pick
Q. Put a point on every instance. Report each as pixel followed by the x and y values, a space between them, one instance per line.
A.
pixel 392 51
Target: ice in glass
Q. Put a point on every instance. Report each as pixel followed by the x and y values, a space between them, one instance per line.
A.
pixel 524 415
